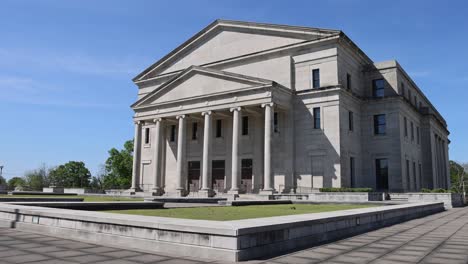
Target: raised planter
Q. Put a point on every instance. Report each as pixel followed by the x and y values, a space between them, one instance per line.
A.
pixel 346 197
pixel 450 200
pixel 219 240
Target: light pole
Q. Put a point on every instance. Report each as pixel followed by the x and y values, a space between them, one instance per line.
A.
pixel 1 170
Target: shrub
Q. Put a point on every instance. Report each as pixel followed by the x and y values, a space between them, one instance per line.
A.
pixel 438 190
pixel 346 190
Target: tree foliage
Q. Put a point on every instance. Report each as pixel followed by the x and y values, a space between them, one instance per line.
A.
pixel 16 182
pixel 118 167
pixel 458 176
pixel 72 174
pixel 37 179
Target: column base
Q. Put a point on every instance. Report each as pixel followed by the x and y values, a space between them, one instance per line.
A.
pixel 158 191
pixel 206 193
pixel 133 191
pixel 233 191
pixel 181 193
pixel 267 192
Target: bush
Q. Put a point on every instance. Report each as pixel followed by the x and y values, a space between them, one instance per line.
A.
pixel 438 190
pixel 346 190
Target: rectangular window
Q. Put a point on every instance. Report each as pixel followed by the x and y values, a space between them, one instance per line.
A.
pixel 351 121
pixel 405 126
pixel 412 131
pixel 352 171
pixel 402 85
pixel 219 128
pixel 147 135
pixel 417 135
pixel 379 125
pixel 420 176
pixel 173 133
pixel 245 125
pixel 315 78
pixel 275 122
pixel 407 175
pixel 194 131
pixel 381 174
pixel 414 176
pixel 316 111
pixel 409 95
pixel 415 101
pixel 378 87
pixel 348 81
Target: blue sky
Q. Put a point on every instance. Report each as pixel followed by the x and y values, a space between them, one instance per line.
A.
pixel 66 66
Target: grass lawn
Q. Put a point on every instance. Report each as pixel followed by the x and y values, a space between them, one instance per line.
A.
pixel 226 213
pixel 86 198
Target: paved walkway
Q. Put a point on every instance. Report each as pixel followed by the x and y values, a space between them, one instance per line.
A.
pixel 439 238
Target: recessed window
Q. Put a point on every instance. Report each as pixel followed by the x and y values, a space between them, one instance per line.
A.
pixel 415 101
pixel 173 133
pixel 402 85
pixel 405 125
pixel 414 176
pixel 351 121
pixel 420 175
pixel 219 128
pixel 407 175
pixel 381 174
pixel 378 87
pixel 352 171
pixel 348 81
pixel 409 95
pixel 412 131
pixel 194 131
pixel 147 135
pixel 316 112
pixel 417 135
pixel 379 125
pixel 245 125
pixel 275 123
pixel 315 78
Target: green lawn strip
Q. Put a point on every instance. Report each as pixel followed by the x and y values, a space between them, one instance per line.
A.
pixel 86 198
pixel 227 213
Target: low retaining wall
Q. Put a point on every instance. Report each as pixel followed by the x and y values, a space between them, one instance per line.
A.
pixel 254 202
pixel 450 200
pixel 96 206
pixel 346 197
pixel 185 199
pixel 39 193
pixel 220 240
pixel 39 199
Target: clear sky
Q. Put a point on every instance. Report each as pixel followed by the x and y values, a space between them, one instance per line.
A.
pixel 66 66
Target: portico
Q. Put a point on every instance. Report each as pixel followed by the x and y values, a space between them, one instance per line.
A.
pixel 217 160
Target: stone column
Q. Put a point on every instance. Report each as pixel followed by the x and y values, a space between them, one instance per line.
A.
pixel 136 158
pixel 157 188
pixel 235 150
pixel 206 188
pixel 180 156
pixel 267 182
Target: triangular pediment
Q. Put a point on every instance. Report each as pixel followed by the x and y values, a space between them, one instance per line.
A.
pixel 223 39
pixel 196 82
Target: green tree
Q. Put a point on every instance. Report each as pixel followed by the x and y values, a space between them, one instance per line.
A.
pixel 71 174
pixel 458 176
pixel 37 179
pixel 16 182
pixel 118 167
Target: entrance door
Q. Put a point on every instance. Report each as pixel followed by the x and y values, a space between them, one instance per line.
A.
pixel 217 174
pixel 194 176
pixel 246 175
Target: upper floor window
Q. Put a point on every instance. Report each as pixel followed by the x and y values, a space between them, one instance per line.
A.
pixel 415 101
pixel 405 125
pixel 379 124
pixel 351 121
pixel 315 78
pixel 402 85
pixel 245 125
pixel 348 81
pixel 173 133
pixel 378 86
pixel 219 128
pixel 412 131
pixel 275 122
pixel 194 131
pixel 147 135
pixel 409 95
pixel 316 112
pixel 417 135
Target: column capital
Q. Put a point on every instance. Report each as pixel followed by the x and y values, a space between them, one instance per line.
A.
pixel 181 116
pixel 137 122
pixel 159 119
pixel 268 104
pixel 206 113
pixel 235 109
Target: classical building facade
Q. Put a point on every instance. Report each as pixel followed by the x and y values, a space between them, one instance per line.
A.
pixel 259 108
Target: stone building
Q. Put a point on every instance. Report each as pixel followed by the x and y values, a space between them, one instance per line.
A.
pixel 259 108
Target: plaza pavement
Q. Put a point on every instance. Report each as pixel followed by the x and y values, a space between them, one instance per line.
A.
pixel 439 238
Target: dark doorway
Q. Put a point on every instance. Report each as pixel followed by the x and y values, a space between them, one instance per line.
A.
pixel 217 174
pixel 246 175
pixel 194 176
pixel 381 174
